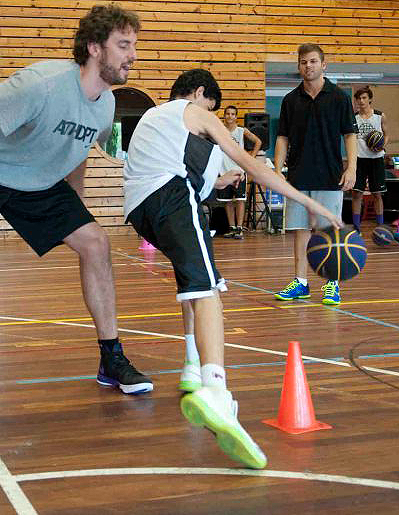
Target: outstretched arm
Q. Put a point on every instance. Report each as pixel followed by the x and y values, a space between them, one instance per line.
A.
pixel 202 122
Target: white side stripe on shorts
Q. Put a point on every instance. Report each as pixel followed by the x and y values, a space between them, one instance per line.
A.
pixel 200 235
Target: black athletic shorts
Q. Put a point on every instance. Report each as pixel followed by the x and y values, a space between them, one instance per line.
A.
pixel 44 218
pixel 232 193
pixel 372 169
pixel 172 219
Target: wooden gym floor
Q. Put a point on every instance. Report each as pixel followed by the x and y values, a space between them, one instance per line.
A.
pixel 69 446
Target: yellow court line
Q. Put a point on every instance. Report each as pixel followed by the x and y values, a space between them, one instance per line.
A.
pixel 258 308
pixel 178 313
pixel 85 319
pixel 122 317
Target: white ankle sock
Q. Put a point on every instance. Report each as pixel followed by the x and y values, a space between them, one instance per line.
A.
pixel 213 375
pixel 303 281
pixel 191 349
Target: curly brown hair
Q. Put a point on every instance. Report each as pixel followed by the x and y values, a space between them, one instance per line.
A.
pixel 97 26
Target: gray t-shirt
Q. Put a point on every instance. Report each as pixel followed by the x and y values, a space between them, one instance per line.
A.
pixel 48 125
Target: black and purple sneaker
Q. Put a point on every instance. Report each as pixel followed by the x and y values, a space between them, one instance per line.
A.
pixel 116 370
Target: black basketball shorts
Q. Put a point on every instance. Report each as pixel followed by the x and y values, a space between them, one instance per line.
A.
pixel 372 169
pixel 172 219
pixel 44 218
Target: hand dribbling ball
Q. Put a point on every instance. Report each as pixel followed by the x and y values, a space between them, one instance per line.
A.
pixel 382 235
pixel 375 141
pixel 337 254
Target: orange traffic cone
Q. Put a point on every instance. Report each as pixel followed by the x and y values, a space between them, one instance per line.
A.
pixel 296 413
pixel 145 245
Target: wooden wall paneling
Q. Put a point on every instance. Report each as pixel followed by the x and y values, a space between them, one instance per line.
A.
pixel 231 39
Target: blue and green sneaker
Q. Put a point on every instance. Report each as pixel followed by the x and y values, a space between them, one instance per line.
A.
pixel 331 293
pixel 295 290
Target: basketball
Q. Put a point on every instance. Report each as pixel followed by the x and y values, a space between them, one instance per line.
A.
pixel 375 141
pixel 382 235
pixel 337 254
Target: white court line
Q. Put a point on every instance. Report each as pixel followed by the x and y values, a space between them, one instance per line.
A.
pixel 382 371
pixel 50 267
pixel 90 326
pixel 210 471
pixel 174 336
pixel 320 360
pixel 14 492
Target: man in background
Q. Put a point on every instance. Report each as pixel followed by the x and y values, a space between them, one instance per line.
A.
pixel 313 118
pixel 235 197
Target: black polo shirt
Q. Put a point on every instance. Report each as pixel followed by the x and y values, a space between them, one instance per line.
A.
pixel 314 128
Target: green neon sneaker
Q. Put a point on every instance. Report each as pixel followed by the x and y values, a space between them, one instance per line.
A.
pixel 331 293
pixel 215 409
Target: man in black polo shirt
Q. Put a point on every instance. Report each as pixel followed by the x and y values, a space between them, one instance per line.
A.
pixel 313 118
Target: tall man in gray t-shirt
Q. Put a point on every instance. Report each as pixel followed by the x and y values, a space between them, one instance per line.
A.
pixel 51 113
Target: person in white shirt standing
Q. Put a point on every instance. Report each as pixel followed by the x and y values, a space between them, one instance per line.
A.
pixel 235 197
pixel 370 164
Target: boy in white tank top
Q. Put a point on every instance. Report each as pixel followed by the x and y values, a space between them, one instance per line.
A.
pixel 171 218
pixel 370 164
pixel 235 198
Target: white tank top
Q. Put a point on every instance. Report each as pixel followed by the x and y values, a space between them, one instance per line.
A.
pixel 161 148
pixel 228 164
pixel 365 127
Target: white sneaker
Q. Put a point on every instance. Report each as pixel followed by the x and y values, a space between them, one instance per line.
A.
pixel 190 378
pixel 215 409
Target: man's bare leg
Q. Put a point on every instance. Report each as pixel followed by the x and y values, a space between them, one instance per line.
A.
pixel 240 212
pixel 301 240
pixel 92 245
pixel 230 212
pixel 378 208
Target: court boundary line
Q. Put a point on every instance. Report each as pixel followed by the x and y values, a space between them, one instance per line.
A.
pixel 14 492
pixel 10 482
pixel 284 474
